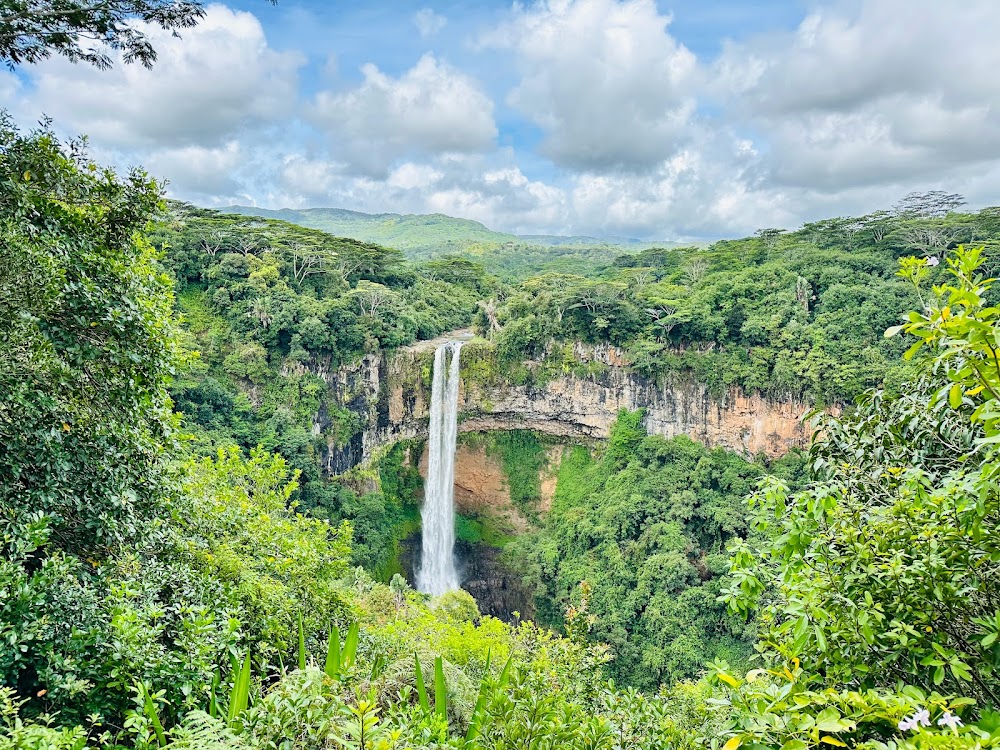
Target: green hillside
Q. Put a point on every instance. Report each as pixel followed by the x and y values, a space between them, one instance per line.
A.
pixel 426 236
pixel 416 235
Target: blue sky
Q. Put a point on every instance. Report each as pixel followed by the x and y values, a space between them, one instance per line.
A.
pixel 605 117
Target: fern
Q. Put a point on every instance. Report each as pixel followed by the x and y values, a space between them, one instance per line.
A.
pixel 199 731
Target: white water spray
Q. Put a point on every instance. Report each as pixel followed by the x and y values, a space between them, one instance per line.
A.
pixel 437 567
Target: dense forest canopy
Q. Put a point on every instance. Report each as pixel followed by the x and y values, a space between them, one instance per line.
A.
pixel 178 571
pixel 801 313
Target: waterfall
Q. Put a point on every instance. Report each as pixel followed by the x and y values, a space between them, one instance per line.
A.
pixel 437 567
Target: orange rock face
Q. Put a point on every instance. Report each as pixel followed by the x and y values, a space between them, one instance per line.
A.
pixel 481 487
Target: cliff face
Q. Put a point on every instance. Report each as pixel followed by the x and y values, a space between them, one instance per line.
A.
pixel 390 396
pixel 481 487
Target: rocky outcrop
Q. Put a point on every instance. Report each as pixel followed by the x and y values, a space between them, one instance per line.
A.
pixel 390 396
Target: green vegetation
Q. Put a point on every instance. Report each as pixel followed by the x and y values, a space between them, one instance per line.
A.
pixel 481 531
pixel 646 527
pixel 155 596
pixel 409 233
pixel 270 308
pixel 435 235
pixel 798 313
pixel 522 455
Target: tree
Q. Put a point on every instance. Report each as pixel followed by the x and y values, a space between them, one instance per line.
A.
pixel 934 204
pixel 86 31
pixel 928 238
pixel 694 270
pixel 87 344
pixel 360 259
pixel 309 259
pixel 886 570
pixel 489 308
pixel 373 297
pixel 878 224
pixel 87 349
pixel 249 244
pixel 769 237
pixel 663 319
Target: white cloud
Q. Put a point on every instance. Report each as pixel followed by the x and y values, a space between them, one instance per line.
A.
pixel 604 79
pixel 709 185
pixel 504 198
pixel 862 102
pixel 197 169
pixel 410 176
pixel 428 22
pixel 309 179
pixel 490 189
pixel 219 78
pixel 879 92
pixel 431 108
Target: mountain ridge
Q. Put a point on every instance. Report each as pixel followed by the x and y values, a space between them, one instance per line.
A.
pixel 420 233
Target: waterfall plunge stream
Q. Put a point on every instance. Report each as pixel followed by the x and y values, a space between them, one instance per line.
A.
pixel 437 572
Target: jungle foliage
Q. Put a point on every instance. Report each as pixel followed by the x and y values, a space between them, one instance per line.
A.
pixel 154 597
pixel 426 237
pixel 784 313
pixel 269 306
pixel 646 525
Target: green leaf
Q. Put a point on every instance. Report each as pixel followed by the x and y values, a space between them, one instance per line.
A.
pixel 239 697
pixel 150 710
pixel 955 395
pixel 351 645
pixel 332 667
pixel 830 720
pixel 302 643
pixel 440 690
pixel 421 687
pixel 908 354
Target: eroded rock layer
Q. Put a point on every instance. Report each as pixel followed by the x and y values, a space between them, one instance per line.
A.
pixel 390 395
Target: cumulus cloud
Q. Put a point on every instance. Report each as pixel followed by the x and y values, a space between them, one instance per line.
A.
pixel 428 22
pixel 431 108
pixel 504 198
pixel 858 104
pixel 217 79
pixel 604 79
pixel 486 188
pixel 691 194
pixel 410 176
pixel 872 93
pixel 207 172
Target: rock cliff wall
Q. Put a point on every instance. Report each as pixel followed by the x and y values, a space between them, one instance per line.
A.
pixel 390 396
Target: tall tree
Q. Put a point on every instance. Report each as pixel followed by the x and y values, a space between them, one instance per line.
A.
pixel 932 204
pixel 86 347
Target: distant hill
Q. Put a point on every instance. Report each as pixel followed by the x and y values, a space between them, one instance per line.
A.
pixel 427 236
pixel 416 235
pixel 436 233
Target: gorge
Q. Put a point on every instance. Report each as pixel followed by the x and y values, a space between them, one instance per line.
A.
pixel 318 479
pixel 416 394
